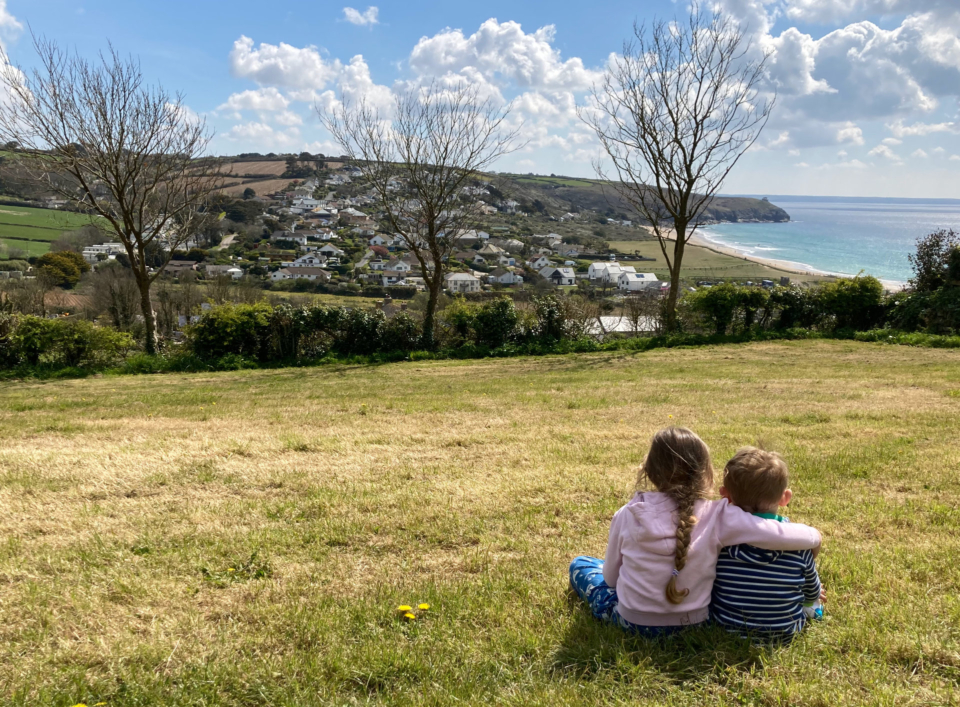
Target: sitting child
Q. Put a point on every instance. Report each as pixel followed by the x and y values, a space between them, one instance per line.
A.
pixel 669 538
pixel 763 592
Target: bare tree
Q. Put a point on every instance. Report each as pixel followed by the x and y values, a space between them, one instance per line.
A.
pixel 96 134
pixel 435 141
pixel 674 114
pixel 115 291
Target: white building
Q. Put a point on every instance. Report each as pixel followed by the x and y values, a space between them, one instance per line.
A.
pixel 462 282
pixel 109 250
pixel 504 277
pixel 638 281
pixel 608 272
pixel 310 260
pixel 560 276
pixel 300 274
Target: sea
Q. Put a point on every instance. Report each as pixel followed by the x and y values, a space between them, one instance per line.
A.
pixel 842 235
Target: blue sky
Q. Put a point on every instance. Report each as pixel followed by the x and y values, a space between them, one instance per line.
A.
pixel 867 89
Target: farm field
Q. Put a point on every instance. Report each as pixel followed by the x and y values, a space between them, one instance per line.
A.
pixel 701 263
pixel 244 538
pixel 262 186
pixel 33 230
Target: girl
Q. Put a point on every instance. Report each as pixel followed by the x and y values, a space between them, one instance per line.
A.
pixel 662 553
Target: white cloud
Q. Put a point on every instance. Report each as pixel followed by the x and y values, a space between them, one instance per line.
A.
pixel 892 141
pixel 900 130
pixel 829 11
pixel 842 154
pixel 263 135
pixel 938 150
pixel 884 151
pixel 281 65
pixel 919 153
pixel 268 98
pixel 850 133
pixel 801 164
pixel 955 158
pixel 288 118
pixel 503 51
pixel 366 18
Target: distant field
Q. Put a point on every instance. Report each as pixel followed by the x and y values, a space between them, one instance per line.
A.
pixel 256 168
pixel 703 263
pixel 244 538
pixel 262 187
pixel 33 230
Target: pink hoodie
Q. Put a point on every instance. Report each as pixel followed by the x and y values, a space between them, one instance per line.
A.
pixel 643 539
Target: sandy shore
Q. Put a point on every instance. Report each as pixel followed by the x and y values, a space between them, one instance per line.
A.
pixel 786 266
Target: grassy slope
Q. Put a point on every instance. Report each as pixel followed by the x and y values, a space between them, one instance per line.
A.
pixel 468 485
pixel 33 230
pixel 703 263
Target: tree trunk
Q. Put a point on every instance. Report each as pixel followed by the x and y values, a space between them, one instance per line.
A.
pixel 149 322
pixel 678 244
pixel 430 315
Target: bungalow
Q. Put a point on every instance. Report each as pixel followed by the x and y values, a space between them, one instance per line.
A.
pixel 392 277
pixel 377 240
pixel 490 249
pixel 300 274
pixel 479 259
pixel 299 238
pixel 560 276
pixel 108 250
pixel 538 262
pixel 461 282
pixel 398 266
pixel 638 281
pixel 377 264
pixel 330 250
pixel 507 260
pixel 310 260
pixel 504 277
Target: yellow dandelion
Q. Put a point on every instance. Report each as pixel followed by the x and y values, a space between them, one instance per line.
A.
pixel 99 704
pixel 409 617
pixel 404 609
pixel 231 569
pixel 80 704
pixel 424 607
pixel 670 416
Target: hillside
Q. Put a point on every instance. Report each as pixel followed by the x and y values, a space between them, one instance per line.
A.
pixel 569 194
pixel 244 538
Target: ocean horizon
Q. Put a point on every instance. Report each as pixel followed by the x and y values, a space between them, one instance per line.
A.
pixel 841 235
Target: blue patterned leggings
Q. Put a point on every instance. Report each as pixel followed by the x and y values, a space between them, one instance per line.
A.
pixel 586 578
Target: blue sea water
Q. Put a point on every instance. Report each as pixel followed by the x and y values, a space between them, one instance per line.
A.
pixel 842 235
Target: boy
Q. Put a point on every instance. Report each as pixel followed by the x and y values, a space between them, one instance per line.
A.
pixel 763 593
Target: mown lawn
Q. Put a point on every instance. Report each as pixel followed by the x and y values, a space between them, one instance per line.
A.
pixel 243 538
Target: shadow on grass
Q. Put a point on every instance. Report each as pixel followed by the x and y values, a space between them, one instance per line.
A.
pixel 591 649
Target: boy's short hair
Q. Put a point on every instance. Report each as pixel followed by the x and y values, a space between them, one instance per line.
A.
pixel 755 478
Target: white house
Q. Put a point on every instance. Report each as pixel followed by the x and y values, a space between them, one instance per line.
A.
pixel 310 260
pixel 398 266
pixel 507 260
pixel 504 277
pixel 538 262
pixel 299 238
pixel 300 274
pixel 608 272
pixel 461 282
pixel 638 281
pixel 217 270
pixel 108 250
pixel 330 249
pixel 377 240
pixel 560 276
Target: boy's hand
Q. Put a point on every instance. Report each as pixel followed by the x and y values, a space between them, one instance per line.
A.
pixel 823 594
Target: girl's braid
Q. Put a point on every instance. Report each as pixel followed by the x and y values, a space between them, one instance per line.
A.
pixel 685 522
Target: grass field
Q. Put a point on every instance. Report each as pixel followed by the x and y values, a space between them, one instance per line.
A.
pixel 243 538
pixel 703 263
pixel 33 230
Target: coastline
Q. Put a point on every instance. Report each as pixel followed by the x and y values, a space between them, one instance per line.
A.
pixel 788 267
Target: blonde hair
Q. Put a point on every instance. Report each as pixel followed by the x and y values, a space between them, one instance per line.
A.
pixel 755 478
pixel 678 464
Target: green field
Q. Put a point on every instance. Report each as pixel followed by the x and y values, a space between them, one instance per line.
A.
pixel 34 229
pixel 244 538
pixel 701 263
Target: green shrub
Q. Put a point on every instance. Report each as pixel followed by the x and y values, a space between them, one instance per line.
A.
pixel 63 267
pixel 716 304
pixel 855 303
pixel 495 323
pixel 67 342
pixel 230 329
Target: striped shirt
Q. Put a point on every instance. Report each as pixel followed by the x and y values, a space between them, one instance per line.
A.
pixel 763 591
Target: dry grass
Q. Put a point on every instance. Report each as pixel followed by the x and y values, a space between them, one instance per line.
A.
pixel 255 168
pixel 261 186
pixel 335 494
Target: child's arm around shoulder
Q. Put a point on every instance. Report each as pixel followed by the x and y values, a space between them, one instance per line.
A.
pixel 614 557
pixel 736 526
